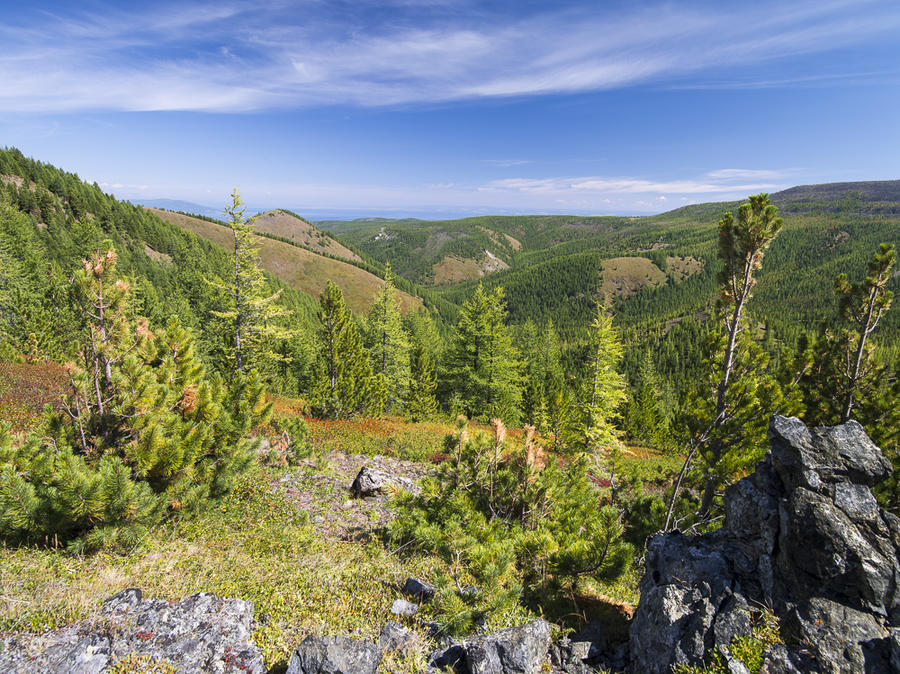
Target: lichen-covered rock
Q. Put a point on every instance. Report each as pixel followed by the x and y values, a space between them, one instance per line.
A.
pixel 201 633
pixel 371 481
pixel 513 650
pixel 334 655
pixel 802 534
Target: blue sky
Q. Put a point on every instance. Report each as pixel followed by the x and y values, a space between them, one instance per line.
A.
pixel 449 107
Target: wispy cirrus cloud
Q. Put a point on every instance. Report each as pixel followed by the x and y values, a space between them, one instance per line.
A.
pixel 237 56
pixel 605 185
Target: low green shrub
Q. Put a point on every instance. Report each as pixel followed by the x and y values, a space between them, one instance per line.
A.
pixel 508 521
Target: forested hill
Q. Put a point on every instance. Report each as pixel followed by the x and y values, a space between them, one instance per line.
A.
pixel 51 220
pixel 553 266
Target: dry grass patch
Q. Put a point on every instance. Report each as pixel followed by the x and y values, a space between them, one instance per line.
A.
pixel 623 276
pixel 281 223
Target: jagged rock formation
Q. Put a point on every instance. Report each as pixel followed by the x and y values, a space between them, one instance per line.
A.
pixel 203 633
pixel 803 535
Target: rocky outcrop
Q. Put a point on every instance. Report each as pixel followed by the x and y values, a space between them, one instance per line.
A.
pixel 203 633
pixel 334 655
pixel 513 650
pixel 419 589
pixel 371 481
pixel 804 535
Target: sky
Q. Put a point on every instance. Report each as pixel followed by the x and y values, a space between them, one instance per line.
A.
pixel 444 108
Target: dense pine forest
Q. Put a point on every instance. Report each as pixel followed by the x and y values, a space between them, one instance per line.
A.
pixel 572 384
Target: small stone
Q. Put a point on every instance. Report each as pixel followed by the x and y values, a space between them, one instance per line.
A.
pixel 396 638
pixel 421 590
pixel 403 608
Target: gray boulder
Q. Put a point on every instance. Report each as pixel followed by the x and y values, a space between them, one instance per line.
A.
pixel 802 534
pixel 201 633
pixel 334 655
pixel 371 482
pixel 395 638
pixel 514 650
pixel 419 589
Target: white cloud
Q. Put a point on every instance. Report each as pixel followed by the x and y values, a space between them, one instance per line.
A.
pixel 608 185
pixel 234 56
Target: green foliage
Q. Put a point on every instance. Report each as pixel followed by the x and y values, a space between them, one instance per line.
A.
pixel 291 442
pixel 143 432
pixel 252 314
pixel 840 374
pixel 344 384
pixel 508 520
pixel 726 414
pixel 388 345
pixel 544 376
pixel 420 404
pixel 749 650
pixel 482 365
pixel 602 389
pixel 648 410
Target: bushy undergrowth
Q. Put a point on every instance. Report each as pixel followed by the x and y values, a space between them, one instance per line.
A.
pixel 510 522
pixel 143 432
pixel 388 437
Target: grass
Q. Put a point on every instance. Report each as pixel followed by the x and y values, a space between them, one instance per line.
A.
pixel 299 231
pixel 253 546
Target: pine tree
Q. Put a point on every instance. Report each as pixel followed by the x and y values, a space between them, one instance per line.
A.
pixel 601 391
pixel 721 419
pixel 646 418
pixel 482 363
pixel 845 378
pixel 344 385
pixel 420 401
pixel 863 305
pixel 543 375
pixel 388 344
pixel 253 315
pixel 144 431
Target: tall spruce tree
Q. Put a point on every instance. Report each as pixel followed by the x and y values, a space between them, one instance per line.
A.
pixel 726 416
pixel 602 389
pixel 420 401
pixel 388 345
pixel 344 385
pixel 543 375
pixel 482 363
pixel 646 417
pixel 255 318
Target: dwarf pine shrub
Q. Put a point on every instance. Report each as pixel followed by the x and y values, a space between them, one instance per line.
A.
pixel 143 432
pixel 509 521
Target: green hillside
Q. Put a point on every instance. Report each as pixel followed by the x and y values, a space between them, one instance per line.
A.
pixel 556 263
